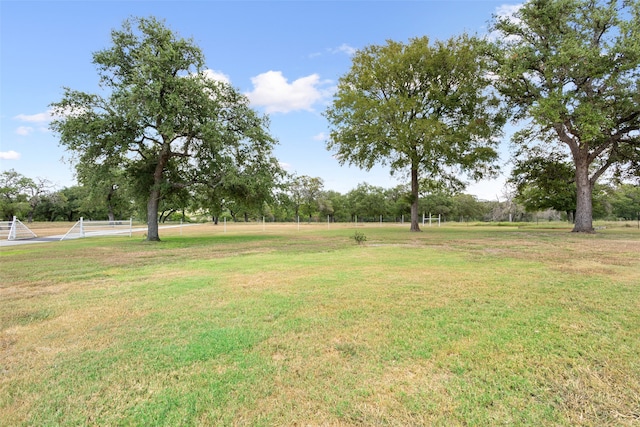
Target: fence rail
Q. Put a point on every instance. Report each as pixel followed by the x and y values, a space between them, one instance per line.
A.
pixel 84 228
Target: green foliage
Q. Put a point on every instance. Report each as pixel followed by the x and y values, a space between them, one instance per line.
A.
pixel 20 195
pixel 437 203
pixel 108 187
pixel 571 69
pixel 165 125
pixel 625 201
pixel 359 237
pixel 545 183
pixel 467 208
pixel 305 194
pixel 367 202
pixel 421 108
pixel 14 197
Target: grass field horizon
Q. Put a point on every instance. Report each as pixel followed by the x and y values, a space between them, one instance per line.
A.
pixel 457 325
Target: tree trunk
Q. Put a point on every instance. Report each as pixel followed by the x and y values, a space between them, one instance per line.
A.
pixel 155 194
pixel 152 215
pixel 414 199
pixel 110 213
pixel 583 219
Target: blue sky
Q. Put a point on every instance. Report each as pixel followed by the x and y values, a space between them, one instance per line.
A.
pixel 286 56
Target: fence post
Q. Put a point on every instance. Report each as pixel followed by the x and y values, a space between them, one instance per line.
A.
pixel 12 229
pixel 130 227
pixel 81 227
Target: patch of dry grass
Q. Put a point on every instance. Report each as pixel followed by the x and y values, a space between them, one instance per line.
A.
pixel 276 326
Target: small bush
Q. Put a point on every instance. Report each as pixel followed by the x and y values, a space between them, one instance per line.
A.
pixel 359 237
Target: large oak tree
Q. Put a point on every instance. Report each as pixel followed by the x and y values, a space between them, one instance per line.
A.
pixel 424 109
pixel 571 69
pixel 164 120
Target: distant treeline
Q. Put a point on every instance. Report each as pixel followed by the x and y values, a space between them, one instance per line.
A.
pixel 300 198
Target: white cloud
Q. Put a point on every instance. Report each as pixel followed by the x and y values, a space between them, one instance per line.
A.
pixel 217 76
pixel 320 137
pixel 509 13
pixel 24 130
pixel 344 48
pixel 272 91
pixel 35 118
pixel 9 155
pixel 286 166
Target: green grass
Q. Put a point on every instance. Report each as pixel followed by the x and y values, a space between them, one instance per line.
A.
pixel 457 325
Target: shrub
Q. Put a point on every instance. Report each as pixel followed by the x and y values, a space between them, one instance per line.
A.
pixel 359 237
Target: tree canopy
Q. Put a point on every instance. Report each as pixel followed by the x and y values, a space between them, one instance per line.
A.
pixel 423 109
pixel 571 70
pixel 545 182
pixel 14 193
pixel 163 121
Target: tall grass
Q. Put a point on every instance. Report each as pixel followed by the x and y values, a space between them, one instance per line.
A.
pixel 452 326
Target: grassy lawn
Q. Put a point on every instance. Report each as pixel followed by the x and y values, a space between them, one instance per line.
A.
pixel 458 325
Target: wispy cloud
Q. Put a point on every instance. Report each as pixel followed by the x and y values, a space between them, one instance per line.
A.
pixel 217 75
pixel 320 137
pixel 508 10
pixel 344 48
pixel 34 118
pixel 24 130
pixel 274 92
pixel 9 155
pixel 39 122
pixel 286 166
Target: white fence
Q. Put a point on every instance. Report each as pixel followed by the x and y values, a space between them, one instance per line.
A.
pixel 430 218
pixel 14 230
pixel 84 228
